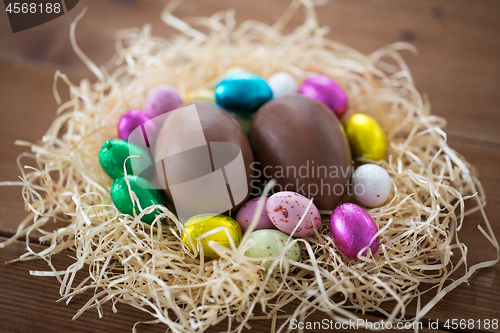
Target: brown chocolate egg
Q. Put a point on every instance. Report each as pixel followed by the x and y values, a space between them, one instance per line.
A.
pixel 206 160
pixel 299 142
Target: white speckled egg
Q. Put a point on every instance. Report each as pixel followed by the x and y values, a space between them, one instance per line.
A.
pixel 270 243
pixel 285 209
pixel 282 83
pixel 246 213
pixel 371 185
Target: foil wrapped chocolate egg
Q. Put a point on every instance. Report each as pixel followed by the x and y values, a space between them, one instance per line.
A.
pixel 366 137
pixel 242 93
pixel 115 152
pixel 270 244
pixel 299 142
pixel 327 91
pixel 145 193
pixel 352 230
pixel 201 224
pixel 133 119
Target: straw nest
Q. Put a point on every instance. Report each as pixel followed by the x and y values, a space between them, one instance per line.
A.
pixel 151 269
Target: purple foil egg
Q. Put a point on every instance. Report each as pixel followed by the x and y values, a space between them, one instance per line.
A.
pixel 133 119
pixel 325 90
pixel 352 230
pixel 161 99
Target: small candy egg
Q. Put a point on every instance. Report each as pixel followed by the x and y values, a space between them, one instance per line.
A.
pixel 325 90
pixel 282 83
pixel 234 70
pixel 161 99
pixel 200 224
pixel 145 192
pixel 270 243
pixel 201 95
pixel 365 136
pixel 113 154
pixel 285 209
pixel 371 185
pixel 133 119
pixel 242 93
pixel 247 211
pixel 352 230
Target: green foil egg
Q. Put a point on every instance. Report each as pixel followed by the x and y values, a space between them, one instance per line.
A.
pixel 270 243
pixel 366 137
pixel 203 223
pixel 145 192
pixel 113 154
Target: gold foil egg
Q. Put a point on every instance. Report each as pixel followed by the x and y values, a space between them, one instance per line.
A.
pixel 365 136
pixel 200 224
pixel 201 95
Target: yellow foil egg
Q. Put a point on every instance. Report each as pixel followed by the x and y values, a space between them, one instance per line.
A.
pixel 200 224
pixel 365 136
pixel 201 95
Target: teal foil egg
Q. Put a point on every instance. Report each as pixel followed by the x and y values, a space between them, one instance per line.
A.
pixel 243 93
pixel 113 154
pixel 145 192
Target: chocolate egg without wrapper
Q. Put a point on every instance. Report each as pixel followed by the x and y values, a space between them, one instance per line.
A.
pixel 301 143
pixel 205 150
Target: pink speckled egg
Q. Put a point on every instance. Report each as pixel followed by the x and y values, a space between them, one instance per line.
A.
pixel 327 91
pixel 352 230
pixel 162 99
pixel 246 213
pixel 133 119
pixel 285 209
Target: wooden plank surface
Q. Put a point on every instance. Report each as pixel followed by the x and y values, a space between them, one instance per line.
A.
pixel 458 67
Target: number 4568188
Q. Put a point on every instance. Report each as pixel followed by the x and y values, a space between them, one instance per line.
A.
pixel 26 7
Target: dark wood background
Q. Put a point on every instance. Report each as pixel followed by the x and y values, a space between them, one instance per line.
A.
pixel 458 68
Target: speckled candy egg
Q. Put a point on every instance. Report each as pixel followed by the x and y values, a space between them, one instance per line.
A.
pixel 242 93
pixel 327 91
pixel 371 185
pixel 269 244
pixel 133 119
pixel 246 213
pixel 113 154
pixel 285 209
pixel 352 230
pixel 145 192
pixel 366 137
pixel 282 83
pixel 161 99
pixel 200 224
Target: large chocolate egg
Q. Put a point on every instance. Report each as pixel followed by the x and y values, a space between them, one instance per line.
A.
pixel 299 142
pixel 206 160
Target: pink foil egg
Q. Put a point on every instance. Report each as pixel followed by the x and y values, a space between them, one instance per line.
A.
pixel 285 209
pixel 325 90
pixel 352 230
pixel 133 119
pixel 247 211
pixel 161 99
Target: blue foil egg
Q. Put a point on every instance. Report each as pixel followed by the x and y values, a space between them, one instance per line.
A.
pixel 243 93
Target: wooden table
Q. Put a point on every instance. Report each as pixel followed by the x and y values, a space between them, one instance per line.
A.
pixel 458 68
